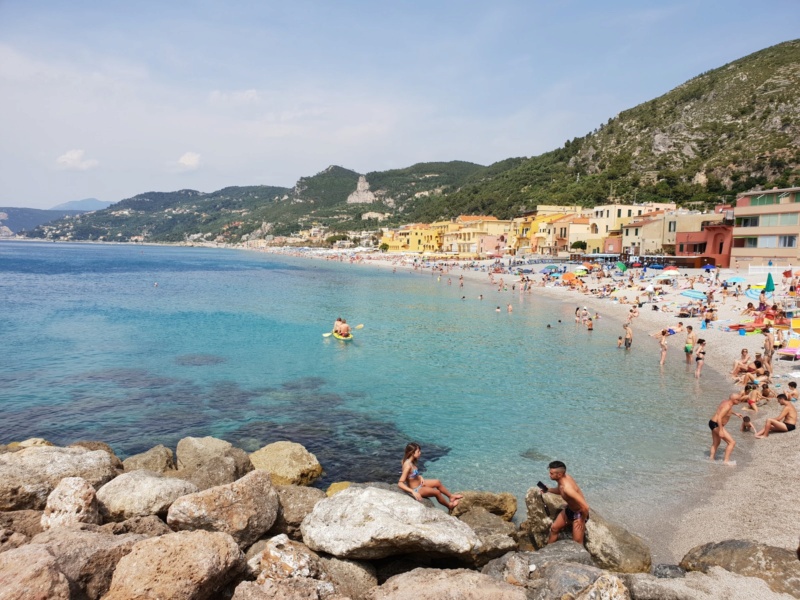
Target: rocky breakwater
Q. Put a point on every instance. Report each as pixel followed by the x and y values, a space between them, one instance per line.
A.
pixel 78 524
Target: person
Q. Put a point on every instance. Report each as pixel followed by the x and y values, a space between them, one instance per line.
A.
pixel 743 364
pixel 717 426
pixel 628 336
pixel 792 393
pixel 576 513
pixel 337 324
pixel 688 347
pixel 619 342
pixel 344 329
pixel 663 344
pixel 510 308
pixel 786 421
pixel 747 424
pixel 590 324
pixel 700 357
pixel 413 483
pixel 769 343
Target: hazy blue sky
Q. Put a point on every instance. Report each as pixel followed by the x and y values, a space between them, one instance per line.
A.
pixel 109 99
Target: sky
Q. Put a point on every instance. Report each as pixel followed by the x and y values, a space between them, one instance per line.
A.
pixel 109 99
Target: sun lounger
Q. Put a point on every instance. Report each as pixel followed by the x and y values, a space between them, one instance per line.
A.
pixel 792 349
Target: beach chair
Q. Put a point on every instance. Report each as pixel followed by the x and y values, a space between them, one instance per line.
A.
pixel 792 349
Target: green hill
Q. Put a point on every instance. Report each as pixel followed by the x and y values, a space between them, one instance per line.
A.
pixel 17 220
pixel 728 130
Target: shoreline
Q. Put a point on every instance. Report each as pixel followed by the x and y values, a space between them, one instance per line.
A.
pixel 719 509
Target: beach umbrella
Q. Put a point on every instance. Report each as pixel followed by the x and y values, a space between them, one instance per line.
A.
pixel 568 277
pixel 709 267
pixel 770 286
pixel 671 268
pixel 622 266
pixel 694 294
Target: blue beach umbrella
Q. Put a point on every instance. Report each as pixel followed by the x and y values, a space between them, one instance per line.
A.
pixel 709 267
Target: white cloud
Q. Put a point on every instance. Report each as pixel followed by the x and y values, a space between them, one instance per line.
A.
pixel 74 161
pixel 190 161
pixel 234 98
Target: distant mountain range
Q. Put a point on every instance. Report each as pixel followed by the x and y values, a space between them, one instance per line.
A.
pixel 86 204
pixel 728 130
pixel 17 220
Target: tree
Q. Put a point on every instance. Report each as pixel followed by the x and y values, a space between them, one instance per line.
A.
pixel 578 245
pixel 383 247
pixel 335 238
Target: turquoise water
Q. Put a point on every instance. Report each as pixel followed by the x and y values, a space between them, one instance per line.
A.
pixel 230 344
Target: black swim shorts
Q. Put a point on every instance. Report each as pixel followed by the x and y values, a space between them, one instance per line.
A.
pixel 712 425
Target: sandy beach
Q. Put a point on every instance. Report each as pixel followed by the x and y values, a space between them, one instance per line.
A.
pixel 756 499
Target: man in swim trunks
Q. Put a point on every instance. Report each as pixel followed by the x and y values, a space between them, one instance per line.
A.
pixel 717 427
pixel 628 336
pixel 786 421
pixel 688 347
pixel 344 329
pixel 577 511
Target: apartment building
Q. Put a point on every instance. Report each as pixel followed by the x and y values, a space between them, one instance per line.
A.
pixel 766 226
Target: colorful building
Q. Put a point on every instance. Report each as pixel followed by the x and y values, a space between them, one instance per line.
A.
pixel 766 226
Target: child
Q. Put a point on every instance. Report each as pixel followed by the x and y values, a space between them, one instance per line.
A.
pixel 590 324
pixel 619 342
pixel 792 393
pixel 751 397
pixel 747 424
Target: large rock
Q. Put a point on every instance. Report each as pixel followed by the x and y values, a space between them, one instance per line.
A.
pixel 301 588
pixel 283 559
pixel 208 462
pixel 188 565
pixel 149 526
pixel 453 584
pixel 571 580
pixel 517 568
pixel 503 505
pixel 369 523
pixel 288 463
pixel 296 502
pixel 139 494
pixel 31 573
pixel 11 539
pixel 495 534
pixel 27 477
pixel 26 522
pixel 778 567
pixel 72 502
pixel 245 509
pixel 93 445
pixel 351 578
pixel 715 584
pixel 87 558
pixel 612 547
pixel 158 459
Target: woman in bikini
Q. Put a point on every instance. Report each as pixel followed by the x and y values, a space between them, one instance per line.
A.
pixel 663 344
pixel 700 357
pixel 412 482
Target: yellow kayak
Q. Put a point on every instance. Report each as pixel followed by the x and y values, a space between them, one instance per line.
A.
pixel 341 337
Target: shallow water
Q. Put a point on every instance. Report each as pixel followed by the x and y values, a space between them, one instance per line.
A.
pixel 230 344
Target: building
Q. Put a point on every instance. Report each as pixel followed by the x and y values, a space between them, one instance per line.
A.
pixel 766 226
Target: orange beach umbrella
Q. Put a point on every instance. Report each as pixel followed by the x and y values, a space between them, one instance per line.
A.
pixel 568 277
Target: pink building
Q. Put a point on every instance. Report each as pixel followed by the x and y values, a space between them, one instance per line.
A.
pixel 712 244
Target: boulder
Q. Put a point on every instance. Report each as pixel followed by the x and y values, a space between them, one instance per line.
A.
pixel 32 443
pixel 716 583
pixel 92 445
pixel 26 522
pixel 188 565
pixel 608 587
pixel 669 571
pixel 283 558
pixel 86 558
pixel 778 567
pixel 73 501
pixel 503 505
pixel 495 534
pixel 31 573
pixel 245 509
pixel 350 578
pixel 368 523
pixel 454 583
pixel 517 568
pixel 288 463
pixel 567 580
pixel 296 502
pixel 195 452
pixel 11 539
pixel 149 526
pixel 139 494
pixel 284 589
pixel 158 459
pixel 27 477
pixel 612 547
pixel 337 487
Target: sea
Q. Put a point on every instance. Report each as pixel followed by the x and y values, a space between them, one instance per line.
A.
pixel 139 345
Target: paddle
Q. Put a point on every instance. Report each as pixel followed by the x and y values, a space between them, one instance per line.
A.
pixel 330 333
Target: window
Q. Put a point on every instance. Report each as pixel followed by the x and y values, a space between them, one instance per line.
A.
pixel 768 241
pixel 607 213
pixel 747 222
pixel 788 219
pixel 629 212
pixel 680 247
pixel 619 213
pixel 636 232
pixel 627 232
pixel 672 226
pixel 745 242
pixel 768 220
pixel 639 213
pixel 787 241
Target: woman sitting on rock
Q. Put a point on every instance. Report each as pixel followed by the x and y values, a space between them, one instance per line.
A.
pixel 412 482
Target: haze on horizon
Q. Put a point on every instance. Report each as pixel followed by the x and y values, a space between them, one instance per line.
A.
pixel 109 100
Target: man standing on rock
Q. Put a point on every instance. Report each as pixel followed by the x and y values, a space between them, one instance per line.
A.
pixel 577 511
